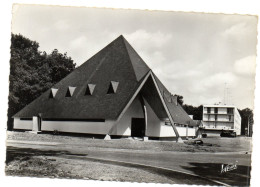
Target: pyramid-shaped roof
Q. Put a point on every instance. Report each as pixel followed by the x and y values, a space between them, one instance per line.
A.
pixel 117 63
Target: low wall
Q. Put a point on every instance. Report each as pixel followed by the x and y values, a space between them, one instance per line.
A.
pixel 167 131
pixel 160 130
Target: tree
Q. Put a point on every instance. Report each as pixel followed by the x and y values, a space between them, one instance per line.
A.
pixel 195 111
pixel 191 110
pixel 59 64
pixel 32 72
pixel 179 99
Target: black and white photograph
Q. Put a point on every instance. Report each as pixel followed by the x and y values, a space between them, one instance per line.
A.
pixel 131 96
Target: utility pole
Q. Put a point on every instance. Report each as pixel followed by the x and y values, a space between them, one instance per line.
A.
pixel 248 130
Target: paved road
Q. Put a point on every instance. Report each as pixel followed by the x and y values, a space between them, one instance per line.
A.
pixel 203 164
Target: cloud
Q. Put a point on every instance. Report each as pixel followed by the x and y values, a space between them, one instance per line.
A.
pixel 211 85
pixel 77 42
pixel 193 54
pixel 141 37
pixel 151 46
pixel 219 79
pixel 154 60
pixel 62 25
pixel 246 66
pixel 236 30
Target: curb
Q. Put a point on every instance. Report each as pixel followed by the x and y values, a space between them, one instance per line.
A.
pixel 33 142
pixel 156 167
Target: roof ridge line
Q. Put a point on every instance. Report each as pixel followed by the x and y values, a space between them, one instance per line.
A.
pixel 137 86
pixel 128 56
pixel 92 74
pixel 128 47
pixel 125 41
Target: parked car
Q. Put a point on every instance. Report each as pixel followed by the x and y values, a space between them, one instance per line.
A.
pixel 228 134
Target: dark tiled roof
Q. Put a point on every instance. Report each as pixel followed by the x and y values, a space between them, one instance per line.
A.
pixel 112 63
pixel 140 67
pixel 177 112
pixel 117 62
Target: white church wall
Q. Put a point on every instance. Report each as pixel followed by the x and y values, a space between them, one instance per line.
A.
pixel 157 128
pixel 123 127
pixel 192 131
pixel 167 131
pixel 153 122
pixel 23 124
pixel 135 110
pixel 77 126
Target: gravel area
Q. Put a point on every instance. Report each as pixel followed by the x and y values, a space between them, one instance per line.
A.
pixel 25 161
pixel 56 167
pixel 216 144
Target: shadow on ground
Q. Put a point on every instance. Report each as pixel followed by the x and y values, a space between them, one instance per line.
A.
pixel 236 177
pixel 24 154
pixel 13 153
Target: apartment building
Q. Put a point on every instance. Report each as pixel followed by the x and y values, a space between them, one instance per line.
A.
pixel 217 118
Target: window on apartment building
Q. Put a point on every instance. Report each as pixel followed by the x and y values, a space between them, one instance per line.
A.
pixel 215 110
pixel 208 110
pixel 216 117
pixel 230 110
pixel 229 118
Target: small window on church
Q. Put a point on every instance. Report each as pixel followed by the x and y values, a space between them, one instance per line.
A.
pixel 51 95
pixel 112 87
pixel 90 89
pixel 53 92
pixel 70 91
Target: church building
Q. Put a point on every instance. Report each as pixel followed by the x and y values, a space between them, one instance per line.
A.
pixel 114 94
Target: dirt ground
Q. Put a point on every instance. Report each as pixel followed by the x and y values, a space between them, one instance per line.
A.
pixel 51 166
pixel 216 144
pixel 56 167
pixel 58 164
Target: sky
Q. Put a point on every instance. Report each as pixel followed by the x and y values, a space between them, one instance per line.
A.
pixel 197 55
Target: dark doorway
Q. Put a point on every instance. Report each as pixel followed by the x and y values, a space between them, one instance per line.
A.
pixel 138 127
